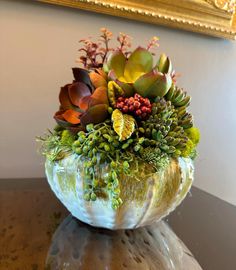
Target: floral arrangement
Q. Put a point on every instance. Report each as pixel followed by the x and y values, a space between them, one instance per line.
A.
pixel 123 109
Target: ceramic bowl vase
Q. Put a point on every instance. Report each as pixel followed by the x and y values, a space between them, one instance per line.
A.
pixel 146 199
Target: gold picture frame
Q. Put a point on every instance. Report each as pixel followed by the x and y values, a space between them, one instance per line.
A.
pixel 211 17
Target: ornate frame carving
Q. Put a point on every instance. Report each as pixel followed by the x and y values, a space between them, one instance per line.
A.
pixel 211 17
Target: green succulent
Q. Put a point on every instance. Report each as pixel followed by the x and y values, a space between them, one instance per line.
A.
pixel 139 73
pixel 100 145
pixel 155 157
pixel 178 97
pixel 180 100
pixel 162 129
pixel 185 119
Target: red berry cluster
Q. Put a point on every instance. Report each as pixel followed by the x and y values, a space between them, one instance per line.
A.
pixel 137 105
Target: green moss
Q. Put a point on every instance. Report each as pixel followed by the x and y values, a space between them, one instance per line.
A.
pixel 56 145
pixel 193 134
pixel 190 146
pixel 67 138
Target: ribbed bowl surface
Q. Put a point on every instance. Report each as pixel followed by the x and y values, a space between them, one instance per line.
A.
pixel 146 198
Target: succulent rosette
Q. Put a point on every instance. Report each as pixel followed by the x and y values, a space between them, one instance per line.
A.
pixel 122 116
pixel 81 102
pixel 139 73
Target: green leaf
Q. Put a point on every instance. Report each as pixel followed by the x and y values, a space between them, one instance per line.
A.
pixel 153 84
pixel 123 124
pixel 164 64
pixel 139 63
pixel 116 62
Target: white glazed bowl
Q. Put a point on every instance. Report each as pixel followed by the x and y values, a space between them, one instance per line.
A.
pixel 145 200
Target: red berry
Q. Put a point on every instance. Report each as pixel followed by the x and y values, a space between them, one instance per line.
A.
pixel 120 99
pixel 131 100
pixel 125 109
pixel 136 104
pixel 144 109
pixel 131 108
pixel 147 102
pixel 138 112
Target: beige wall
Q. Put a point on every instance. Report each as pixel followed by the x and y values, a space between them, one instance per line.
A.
pixel 39 45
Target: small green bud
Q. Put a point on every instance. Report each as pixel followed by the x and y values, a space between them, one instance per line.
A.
pixel 90 144
pixel 124 146
pixel 82 138
pixel 78 151
pixel 119 201
pixel 110 186
pixel 81 133
pixel 110 110
pixel 141 140
pixel 116 182
pixel 85 149
pixel 89 164
pixel 94 160
pixel 106 136
pixel 137 147
pixel 89 127
pixel 148 131
pixel 107 148
pixel 125 165
pixel 101 145
pixel 90 154
pixel 77 143
pixel 115 204
pixel 113 175
pixel 116 191
pixel 113 164
pixel 141 130
pixel 95 183
pixel 93 196
pixel 87 197
pixel 130 141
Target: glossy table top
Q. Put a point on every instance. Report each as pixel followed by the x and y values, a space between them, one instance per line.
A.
pixel 30 214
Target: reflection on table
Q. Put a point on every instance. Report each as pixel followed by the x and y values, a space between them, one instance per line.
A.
pixel 76 245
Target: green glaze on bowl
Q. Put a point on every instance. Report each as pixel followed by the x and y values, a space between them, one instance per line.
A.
pixel 147 196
